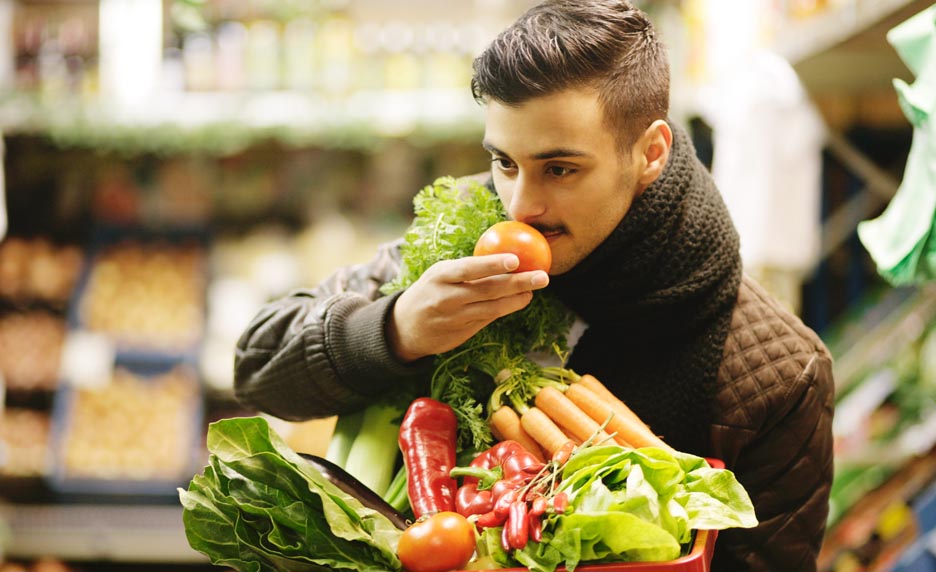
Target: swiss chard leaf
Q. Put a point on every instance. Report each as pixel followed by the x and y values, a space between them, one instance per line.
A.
pixel 259 506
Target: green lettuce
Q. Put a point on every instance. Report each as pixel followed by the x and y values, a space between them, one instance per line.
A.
pixel 631 505
pixel 259 506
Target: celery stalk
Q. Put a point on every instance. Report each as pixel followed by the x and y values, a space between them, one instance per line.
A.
pixel 396 495
pixel 346 430
pixel 373 455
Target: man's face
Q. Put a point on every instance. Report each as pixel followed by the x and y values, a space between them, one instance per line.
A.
pixel 557 167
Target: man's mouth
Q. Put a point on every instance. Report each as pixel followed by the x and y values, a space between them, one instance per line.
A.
pixel 551 235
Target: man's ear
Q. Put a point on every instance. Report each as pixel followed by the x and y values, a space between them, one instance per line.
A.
pixel 653 148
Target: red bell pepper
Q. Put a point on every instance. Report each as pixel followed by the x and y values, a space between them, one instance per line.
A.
pixel 427 440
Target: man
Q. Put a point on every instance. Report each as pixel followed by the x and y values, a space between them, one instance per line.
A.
pixel 576 98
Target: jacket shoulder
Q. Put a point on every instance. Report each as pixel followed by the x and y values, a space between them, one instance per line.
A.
pixel 770 359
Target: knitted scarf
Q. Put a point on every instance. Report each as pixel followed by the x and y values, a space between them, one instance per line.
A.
pixel 658 295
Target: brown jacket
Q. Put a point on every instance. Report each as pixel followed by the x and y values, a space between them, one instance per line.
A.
pixel 323 351
pixel 773 428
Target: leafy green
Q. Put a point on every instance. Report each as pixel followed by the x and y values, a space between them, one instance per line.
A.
pixel 631 505
pixel 259 506
pixel 450 216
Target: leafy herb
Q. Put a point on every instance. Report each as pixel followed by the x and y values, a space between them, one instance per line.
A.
pixel 260 506
pixel 450 215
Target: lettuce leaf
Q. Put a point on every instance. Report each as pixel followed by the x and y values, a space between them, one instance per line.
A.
pixel 259 506
pixel 631 505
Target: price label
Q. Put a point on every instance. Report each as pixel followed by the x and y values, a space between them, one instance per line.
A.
pixel 87 360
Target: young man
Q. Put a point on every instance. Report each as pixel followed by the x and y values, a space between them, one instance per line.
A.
pixel 576 96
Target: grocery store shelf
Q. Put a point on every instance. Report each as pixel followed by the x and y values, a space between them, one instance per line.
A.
pixel 229 122
pixel 845 50
pixel 803 39
pixel 82 532
pixel 861 521
pixel 901 327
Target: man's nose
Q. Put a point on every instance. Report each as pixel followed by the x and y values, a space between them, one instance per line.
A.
pixel 526 203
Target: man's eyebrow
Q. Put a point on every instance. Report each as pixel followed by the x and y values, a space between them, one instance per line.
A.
pixel 559 153
pixel 542 155
pixel 492 149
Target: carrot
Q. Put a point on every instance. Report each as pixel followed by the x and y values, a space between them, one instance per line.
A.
pixel 620 408
pixel 505 425
pixel 539 426
pixel 599 389
pixel 568 415
pixel 629 429
pixel 568 433
pixel 592 383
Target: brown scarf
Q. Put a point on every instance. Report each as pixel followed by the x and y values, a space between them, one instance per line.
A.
pixel 658 296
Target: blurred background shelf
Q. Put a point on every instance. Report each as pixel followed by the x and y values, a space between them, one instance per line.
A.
pixel 226 123
pixel 98 532
pixel 859 21
pixel 846 51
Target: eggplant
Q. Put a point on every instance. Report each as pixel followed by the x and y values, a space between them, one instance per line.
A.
pixel 351 486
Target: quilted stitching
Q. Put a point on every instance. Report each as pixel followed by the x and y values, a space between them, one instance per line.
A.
pixel 766 350
pixel 774 369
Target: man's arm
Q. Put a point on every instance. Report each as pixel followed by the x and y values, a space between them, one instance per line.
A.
pixel 787 470
pixel 323 351
pixel 335 348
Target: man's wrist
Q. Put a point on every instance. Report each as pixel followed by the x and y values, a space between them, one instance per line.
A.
pixel 395 343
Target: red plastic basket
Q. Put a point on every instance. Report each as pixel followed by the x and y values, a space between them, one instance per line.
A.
pixel 699 558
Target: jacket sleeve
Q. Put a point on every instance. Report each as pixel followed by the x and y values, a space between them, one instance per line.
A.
pixel 786 467
pixel 322 351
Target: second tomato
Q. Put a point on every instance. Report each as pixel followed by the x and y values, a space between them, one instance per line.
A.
pixel 442 542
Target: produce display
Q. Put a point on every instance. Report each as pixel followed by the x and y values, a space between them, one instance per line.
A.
pixel 134 428
pixel 37 269
pixel 24 441
pixel 30 350
pixel 146 294
pixel 584 481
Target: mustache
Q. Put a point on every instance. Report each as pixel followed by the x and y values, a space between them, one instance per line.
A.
pixel 549 229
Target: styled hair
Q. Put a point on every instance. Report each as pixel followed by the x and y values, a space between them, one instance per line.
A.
pixel 608 45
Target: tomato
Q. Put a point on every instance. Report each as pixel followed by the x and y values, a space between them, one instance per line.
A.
pixel 444 541
pixel 518 238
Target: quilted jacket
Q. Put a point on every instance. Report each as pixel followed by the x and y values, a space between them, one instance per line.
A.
pixel 773 428
pixel 322 351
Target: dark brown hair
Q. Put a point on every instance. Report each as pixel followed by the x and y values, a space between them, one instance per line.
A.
pixel 562 44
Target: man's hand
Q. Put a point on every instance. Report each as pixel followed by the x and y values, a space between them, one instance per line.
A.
pixel 454 299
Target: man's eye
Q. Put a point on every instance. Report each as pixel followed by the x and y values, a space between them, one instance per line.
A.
pixel 559 171
pixel 505 164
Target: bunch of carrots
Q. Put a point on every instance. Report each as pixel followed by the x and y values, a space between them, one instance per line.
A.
pixel 573 409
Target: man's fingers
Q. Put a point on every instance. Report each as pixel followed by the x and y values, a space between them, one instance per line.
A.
pixel 494 287
pixel 476 267
pixel 489 310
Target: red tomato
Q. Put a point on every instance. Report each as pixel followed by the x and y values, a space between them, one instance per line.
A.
pixel 518 238
pixel 444 541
